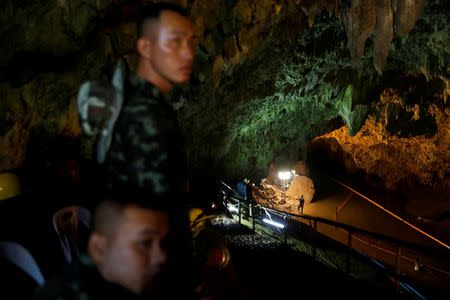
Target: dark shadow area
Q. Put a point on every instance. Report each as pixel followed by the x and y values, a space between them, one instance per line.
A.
pixel 276 271
pixel 322 167
pixel 28 221
pixel 15 283
pixel 56 172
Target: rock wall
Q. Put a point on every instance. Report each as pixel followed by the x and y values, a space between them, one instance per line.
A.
pixel 271 79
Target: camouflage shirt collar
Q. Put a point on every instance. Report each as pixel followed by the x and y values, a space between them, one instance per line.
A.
pixel 148 89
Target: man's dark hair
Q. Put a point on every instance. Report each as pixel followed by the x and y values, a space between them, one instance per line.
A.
pixel 153 11
pixel 113 202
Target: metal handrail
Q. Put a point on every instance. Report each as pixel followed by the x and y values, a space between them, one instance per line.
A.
pixel 348 228
pixel 368 233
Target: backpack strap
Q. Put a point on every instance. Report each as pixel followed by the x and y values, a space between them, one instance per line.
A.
pixel 99 107
pixel 118 84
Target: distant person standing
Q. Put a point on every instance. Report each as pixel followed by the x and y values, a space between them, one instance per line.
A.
pixel 244 189
pixel 147 148
pixel 301 204
pixel 272 176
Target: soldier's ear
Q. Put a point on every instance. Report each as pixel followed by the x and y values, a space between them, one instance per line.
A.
pixel 97 247
pixel 143 46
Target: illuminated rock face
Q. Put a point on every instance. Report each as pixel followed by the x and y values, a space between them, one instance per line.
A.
pixel 272 195
pixel 301 186
pixel 397 154
pixel 272 78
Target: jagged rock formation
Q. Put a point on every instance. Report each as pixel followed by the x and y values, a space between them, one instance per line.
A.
pixel 43 62
pixel 421 157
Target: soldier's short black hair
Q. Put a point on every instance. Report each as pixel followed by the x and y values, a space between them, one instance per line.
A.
pixel 114 201
pixel 126 195
pixel 153 11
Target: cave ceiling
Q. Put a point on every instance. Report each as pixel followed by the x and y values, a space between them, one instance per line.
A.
pixel 366 82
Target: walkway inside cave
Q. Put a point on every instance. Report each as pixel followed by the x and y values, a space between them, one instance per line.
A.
pixel 334 201
pixel 263 267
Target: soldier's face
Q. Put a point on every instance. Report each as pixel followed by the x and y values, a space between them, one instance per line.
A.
pixel 172 48
pixel 135 254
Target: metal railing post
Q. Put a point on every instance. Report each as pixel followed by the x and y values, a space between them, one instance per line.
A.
pixel 239 210
pixel 252 216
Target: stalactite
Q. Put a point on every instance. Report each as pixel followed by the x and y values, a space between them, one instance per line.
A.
pixel 311 9
pixel 361 17
pixel 359 21
pixel 384 33
pixel 331 6
pixel 406 15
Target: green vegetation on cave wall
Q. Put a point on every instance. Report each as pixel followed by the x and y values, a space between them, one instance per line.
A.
pixel 289 93
pixel 275 103
pixel 264 85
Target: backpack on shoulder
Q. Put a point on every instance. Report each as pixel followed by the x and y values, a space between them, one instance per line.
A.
pixel 99 107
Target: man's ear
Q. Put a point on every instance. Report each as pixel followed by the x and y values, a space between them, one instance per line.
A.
pixel 97 247
pixel 143 46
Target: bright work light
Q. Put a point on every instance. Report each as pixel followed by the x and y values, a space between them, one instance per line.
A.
pixel 284 175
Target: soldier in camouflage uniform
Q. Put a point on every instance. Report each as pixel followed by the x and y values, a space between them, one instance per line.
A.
pixel 147 147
